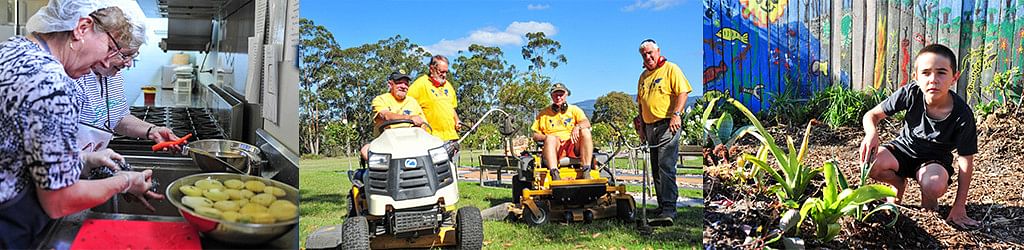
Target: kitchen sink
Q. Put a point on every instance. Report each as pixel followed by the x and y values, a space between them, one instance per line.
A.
pixel 165 171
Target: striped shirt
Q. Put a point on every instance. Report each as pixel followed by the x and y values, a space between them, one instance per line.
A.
pixel 98 98
pixel 37 120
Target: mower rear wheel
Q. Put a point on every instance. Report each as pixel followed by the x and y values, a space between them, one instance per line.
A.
pixel 469 228
pixel 536 219
pixel 624 210
pixel 355 233
pixel 517 189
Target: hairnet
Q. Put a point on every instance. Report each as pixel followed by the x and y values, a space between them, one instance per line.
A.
pixel 137 19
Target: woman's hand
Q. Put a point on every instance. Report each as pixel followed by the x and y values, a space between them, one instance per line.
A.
pixel 103 158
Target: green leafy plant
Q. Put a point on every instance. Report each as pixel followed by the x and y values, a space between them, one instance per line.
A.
pixel 999 88
pixel 722 131
pixel 787 108
pixel 795 177
pixel 844 107
pixel 839 200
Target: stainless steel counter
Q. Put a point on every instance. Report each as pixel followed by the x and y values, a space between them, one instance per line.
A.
pixel 61 233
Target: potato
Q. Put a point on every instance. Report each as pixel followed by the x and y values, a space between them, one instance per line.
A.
pixel 215 194
pixel 196 202
pixel 255 186
pixel 252 208
pixel 206 184
pixel 190 190
pixel 209 212
pixel 230 216
pixel 246 194
pixel 283 211
pixel 233 194
pixel 225 206
pixel 234 184
pixel 262 218
pixel 281 202
pixel 241 202
pixel 263 199
pixel 276 191
pixel 244 218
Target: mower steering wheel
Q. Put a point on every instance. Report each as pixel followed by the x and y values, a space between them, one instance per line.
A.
pixel 387 123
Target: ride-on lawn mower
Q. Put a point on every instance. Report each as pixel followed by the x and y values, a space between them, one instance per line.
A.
pixel 405 196
pixel 536 198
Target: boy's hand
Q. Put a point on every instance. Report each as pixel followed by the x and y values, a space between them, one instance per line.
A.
pixel 868 146
pixel 959 217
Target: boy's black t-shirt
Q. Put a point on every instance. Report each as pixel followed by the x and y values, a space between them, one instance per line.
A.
pixel 924 137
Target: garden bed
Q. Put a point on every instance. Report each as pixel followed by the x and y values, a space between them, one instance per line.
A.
pixel 734 211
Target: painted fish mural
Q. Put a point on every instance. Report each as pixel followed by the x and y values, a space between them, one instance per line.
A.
pixel 729 34
pixel 713 73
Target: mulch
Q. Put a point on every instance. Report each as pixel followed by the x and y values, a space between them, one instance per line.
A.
pixel 734 212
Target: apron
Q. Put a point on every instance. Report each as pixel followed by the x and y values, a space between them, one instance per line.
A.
pixel 21 220
pixel 92 139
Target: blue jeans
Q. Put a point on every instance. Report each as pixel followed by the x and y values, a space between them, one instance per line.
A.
pixel 663 164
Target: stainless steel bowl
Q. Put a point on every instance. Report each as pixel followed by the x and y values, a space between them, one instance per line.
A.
pixel 232 232
pixel 217 155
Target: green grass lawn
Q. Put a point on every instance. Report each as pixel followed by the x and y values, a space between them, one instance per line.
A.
pixel 324 184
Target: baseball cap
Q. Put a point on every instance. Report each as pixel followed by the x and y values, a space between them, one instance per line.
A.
pixel 559 86
pixel 398 75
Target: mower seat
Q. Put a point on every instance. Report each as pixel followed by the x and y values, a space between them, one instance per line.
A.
pixel 568 162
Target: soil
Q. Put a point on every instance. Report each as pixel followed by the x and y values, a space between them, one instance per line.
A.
pixel 734 211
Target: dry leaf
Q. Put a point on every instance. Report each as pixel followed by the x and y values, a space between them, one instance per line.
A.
pixel 595 235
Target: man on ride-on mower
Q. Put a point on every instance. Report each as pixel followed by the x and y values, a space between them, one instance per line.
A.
pixel 395 105
pixel 565 131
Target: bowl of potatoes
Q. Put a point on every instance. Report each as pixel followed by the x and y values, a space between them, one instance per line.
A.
pixel 235 208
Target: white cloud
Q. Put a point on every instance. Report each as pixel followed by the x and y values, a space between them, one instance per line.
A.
pixel 514 34
pixel 538 6
pixel 655 5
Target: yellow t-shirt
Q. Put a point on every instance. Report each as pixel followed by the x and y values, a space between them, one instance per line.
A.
pixel 656 88
pixel 438 105
pixel 387 102
pixel 559 124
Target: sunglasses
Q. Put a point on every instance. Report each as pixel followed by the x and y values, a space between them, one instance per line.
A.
pixel 648 40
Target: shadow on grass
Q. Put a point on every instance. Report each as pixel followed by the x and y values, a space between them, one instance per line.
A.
pixel 685 232
pixel 319 204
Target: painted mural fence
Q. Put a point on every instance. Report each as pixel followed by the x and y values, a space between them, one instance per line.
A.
pixel 757 49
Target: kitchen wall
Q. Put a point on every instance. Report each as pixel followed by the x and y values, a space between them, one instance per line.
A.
pixel 151 59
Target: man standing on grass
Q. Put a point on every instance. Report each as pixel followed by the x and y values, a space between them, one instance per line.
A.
pixel 661 93
pixel 936 123
pixel 437 99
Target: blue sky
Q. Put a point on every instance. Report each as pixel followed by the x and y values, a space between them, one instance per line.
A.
pixel 599 38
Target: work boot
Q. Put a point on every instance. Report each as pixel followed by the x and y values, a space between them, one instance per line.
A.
pixel 586 172
pixel 663 219
pixel 554 174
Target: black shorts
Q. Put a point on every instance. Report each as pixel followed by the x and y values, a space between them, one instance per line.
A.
pixel 908 166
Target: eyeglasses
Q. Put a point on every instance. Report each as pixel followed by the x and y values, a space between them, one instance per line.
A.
pixel 648 40
pixel 116 46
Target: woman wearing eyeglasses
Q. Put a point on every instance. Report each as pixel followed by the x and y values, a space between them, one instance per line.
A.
pixel 105 111
pixel 40 164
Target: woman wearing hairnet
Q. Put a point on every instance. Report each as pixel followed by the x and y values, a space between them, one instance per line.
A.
pixel 105 111
pixel 40 164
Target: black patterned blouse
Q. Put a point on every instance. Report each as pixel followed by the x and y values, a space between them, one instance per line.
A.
pixel 38 115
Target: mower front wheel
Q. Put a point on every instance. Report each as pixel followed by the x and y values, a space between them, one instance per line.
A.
pixel 356 233
pixel 469 228
pixel 536 219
